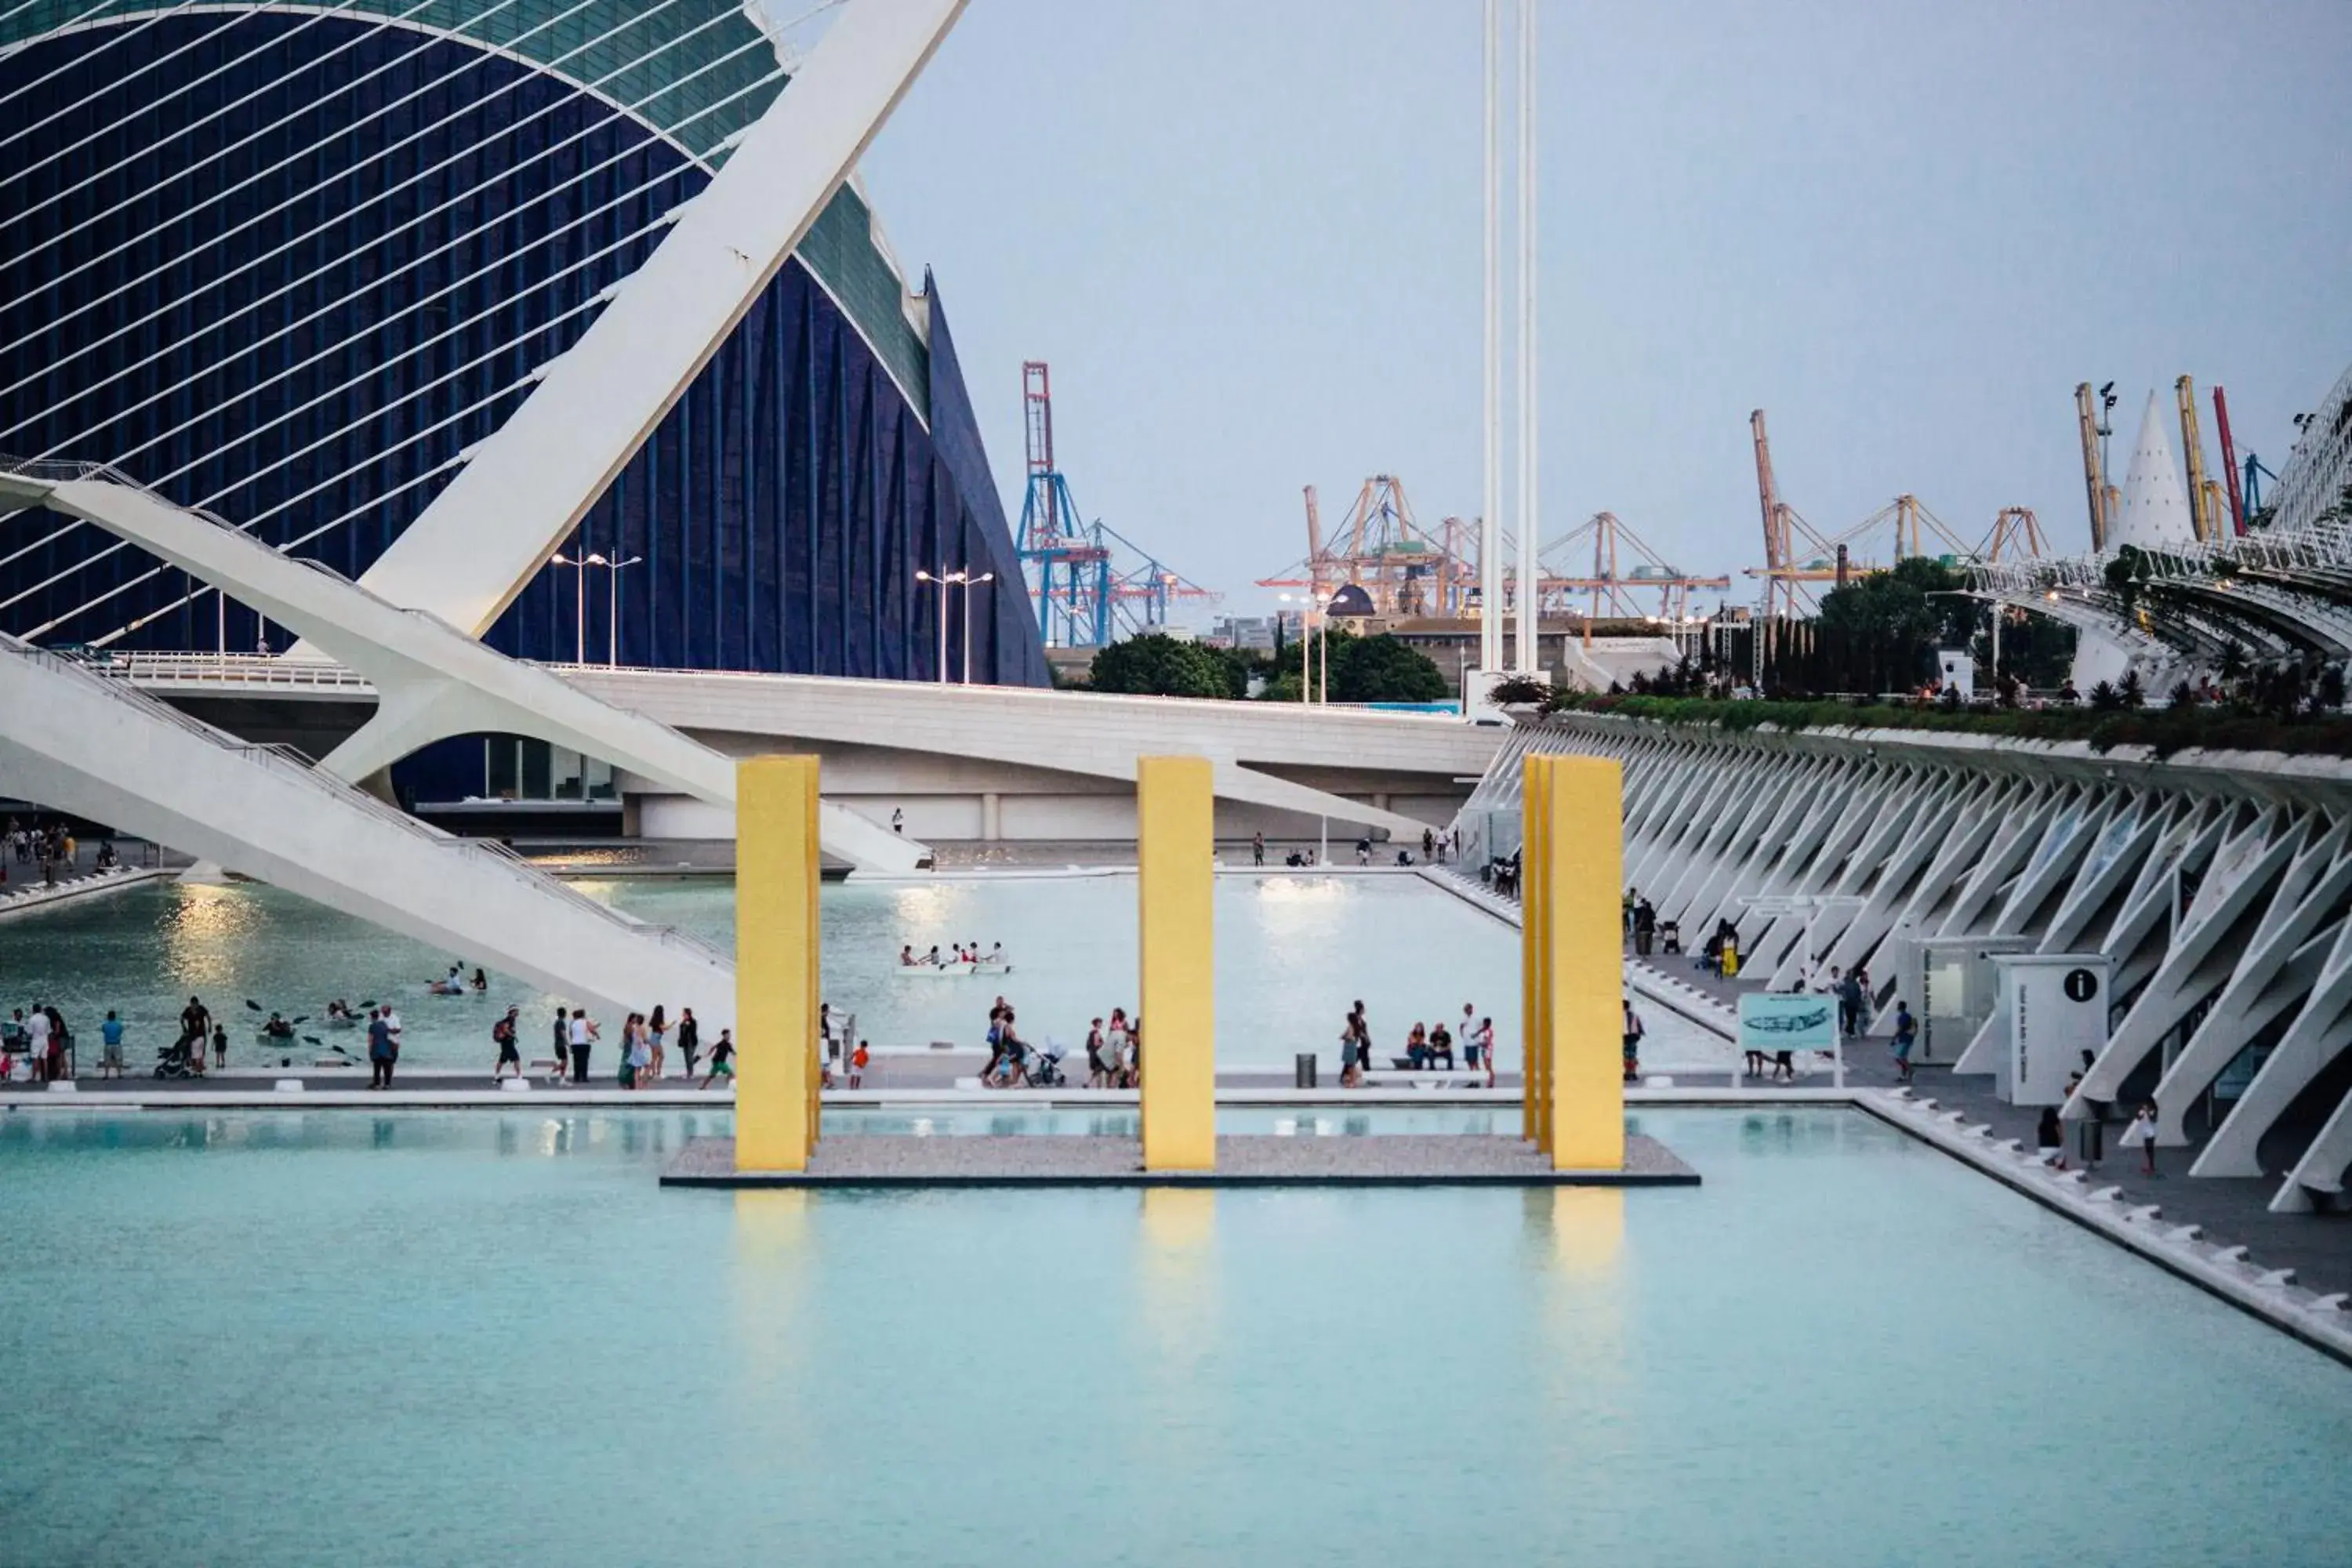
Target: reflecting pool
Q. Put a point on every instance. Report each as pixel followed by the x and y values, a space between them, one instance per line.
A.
pixel 407 1339
pixel 1292 953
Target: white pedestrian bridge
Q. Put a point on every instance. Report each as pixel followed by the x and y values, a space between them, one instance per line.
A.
pixel 76 738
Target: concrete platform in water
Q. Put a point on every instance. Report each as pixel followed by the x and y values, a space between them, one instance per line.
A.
pixel 1253 1160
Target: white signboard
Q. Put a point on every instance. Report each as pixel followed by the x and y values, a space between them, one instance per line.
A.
pixel 2055 1006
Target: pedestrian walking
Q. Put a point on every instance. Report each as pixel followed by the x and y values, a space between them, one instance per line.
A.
pixel 689 1038
pixel 504 1035
pixel 722 1060
pixel 380 1061
pixel 1906 1035
pixel 657 1037
pixel 858 1060
pixel 1633 1033
pixel 2142 1132
pixel 1257 849
pixel 897 821
pixel 2050 1139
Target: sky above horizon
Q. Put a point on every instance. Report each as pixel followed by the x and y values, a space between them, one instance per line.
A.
pixel 1246 234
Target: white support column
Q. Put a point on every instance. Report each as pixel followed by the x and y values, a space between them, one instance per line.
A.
pixel 1530 527
pixel 1490 517
pixel 486 535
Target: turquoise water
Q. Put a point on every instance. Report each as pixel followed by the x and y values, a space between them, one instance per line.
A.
pixel 1292 953
pixel 306 1338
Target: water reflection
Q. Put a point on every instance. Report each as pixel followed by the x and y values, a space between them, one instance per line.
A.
pixel 771 1286
pixel 1176 1327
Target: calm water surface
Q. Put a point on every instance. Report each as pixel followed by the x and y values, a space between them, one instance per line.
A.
pixel 302 1337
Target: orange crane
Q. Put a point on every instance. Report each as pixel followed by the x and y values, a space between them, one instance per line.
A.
pixel 2016 526
pixel 2204 494
pixel 2090 410
pixel 1610 587
pixel 1382 550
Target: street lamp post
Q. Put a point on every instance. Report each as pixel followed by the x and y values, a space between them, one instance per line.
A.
pixel 940 582
pixel 970 582
pixel 578 600
pixel 613 630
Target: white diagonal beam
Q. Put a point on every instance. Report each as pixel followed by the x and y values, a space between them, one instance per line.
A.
pixel 486 535
pixel 433 681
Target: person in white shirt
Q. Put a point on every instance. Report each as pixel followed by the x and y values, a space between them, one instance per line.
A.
pixel 37 1041
pixel 583 1034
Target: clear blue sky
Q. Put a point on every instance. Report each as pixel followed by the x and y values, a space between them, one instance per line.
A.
pixel 1245 233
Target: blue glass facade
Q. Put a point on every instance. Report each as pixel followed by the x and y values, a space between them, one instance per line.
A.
pixel 289 267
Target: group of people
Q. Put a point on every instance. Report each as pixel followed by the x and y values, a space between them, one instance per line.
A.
pixel 1011 1062
pixel 51 846
pixel 1434 847
pixel 646 1041
pixel 1425 1049
pixel 41 1040
pixel 1115 1051
pixel 454 982
pixel 957 952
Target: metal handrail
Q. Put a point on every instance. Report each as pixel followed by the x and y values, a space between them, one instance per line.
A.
pixel 285 761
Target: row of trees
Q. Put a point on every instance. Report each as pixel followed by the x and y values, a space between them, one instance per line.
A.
pixel 1880 632
pixel 1362 670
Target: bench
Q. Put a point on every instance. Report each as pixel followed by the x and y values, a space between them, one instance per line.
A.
pixel 1430 1078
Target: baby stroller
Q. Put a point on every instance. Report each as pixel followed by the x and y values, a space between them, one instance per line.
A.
pixel 1046 1071
pixel 173 1062
pixel 1670 936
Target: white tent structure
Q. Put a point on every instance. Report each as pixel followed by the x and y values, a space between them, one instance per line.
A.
pixel 2154 515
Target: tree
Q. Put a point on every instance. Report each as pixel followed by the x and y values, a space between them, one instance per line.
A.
pixel 1158 665
pixel 1880 632
pixel 1518 690
pixel 1382 670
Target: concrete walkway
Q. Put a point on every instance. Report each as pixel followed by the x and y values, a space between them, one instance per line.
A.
pixel 25 897
pixel 2227 1211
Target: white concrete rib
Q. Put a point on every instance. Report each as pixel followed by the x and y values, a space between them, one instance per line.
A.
pixel 432 681
pixel 2221 887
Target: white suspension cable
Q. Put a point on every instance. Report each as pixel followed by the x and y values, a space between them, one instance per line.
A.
pixel 200 41
pixel 173 134
pixel 115 41
pixel 153 571
pixel 627 111
pixel 253 522
pixel 426 301
pixel 344 344
pixel 592 303
pixel 307 106
pixel 384 278
pixel 377 368
pixel 468 107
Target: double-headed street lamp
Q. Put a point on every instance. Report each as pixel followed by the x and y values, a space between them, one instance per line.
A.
pixel 968 580
pixel 580 604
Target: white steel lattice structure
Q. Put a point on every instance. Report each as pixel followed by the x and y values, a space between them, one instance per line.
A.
pixel 2316 473
pixel 2222 893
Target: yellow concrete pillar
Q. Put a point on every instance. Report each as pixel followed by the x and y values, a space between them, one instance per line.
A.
pixel 1534 815
pixel 1582 960
pixel 776 876
pixel 1175 809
